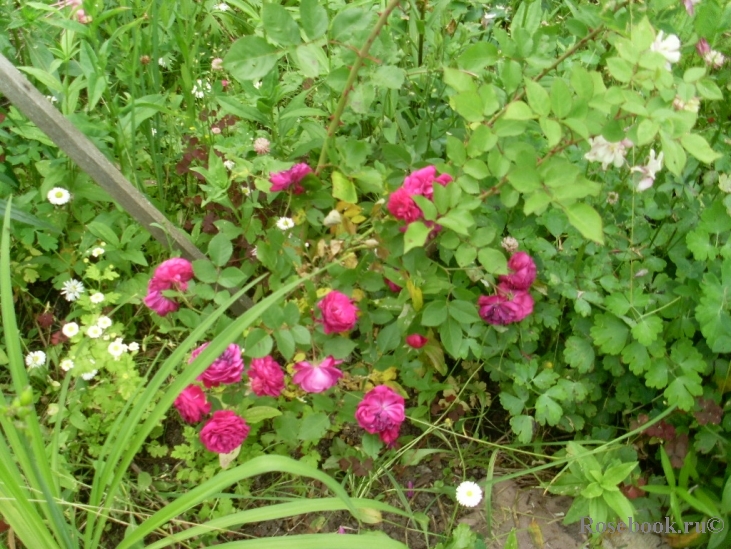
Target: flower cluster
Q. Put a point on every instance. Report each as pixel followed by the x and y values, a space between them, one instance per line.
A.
pixel 401 203
pixel 512 302
pixel 648 171
pixel 667 46
pixel 607 153
pixel 171 274
pixel 712 58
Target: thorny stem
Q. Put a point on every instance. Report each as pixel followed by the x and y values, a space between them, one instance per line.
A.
pixel 362 54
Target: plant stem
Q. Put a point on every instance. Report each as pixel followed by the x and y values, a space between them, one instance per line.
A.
pixel 362 54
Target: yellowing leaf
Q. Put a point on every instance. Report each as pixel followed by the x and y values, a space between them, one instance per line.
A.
pixel 416 296
pixel 379 377
pixel 226 459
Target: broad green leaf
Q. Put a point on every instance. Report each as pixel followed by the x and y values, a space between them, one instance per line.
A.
pixel 674 156
pixel 620 69
pixel 548 411
pixel 256 414
pixel 434 313
pixel 552 130
pixel 313 18
pixel 699 147
pixel 518 110
pixel 220 250
pixel 511 403
pixel 450 334
pixel 279 25
pixel 712 311
pixel 619 503
pixel 561 101
pixel 523 427
pixel 314 427
pixel 682 392
pixel 415 236
pixel 469 105
pixel 538 98
pixel 389 76
pixel 343 188
pixel 579 354
pixel 647 329
pixel 493 261
pixel 308 60
pixel 478 56
pixel 250 58
pixel 586 219
pixel 609 333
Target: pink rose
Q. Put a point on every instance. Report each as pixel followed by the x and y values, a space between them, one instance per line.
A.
pixel 267 377
pixel 381 411
pixel 338 313
pixel 417 341
pixel 402 206
pixel 422 181
pixel 392 285
pixel 226 369
pixel 316 378
pixel 224 432
pixel 192 404
pixel 505 308
pixel 159 303
pixel 524 272
pixel 286 179
pixel 175 272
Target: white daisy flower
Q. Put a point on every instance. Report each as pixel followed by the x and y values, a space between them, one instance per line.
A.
pixel 90 375
pixel 58 196
pixel 104 322
pixel 72 289
pixel 36 359
pixel 97 297
pixel 285 223
pixel 133 347
pixel 94 331
pixel 70 329
pixel 96 252
pixel 200 89
pixel 469 494
pixel 66 364
pixel 117 348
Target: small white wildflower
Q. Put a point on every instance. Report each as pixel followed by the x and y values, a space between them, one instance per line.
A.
pixel 612 197
pixel 70 329
pixel 246 191
pixel 117 348
pixel 90 375
pixel 223 6
pixel 510 244
pixel 257 84
pixel 94 331
pixel 133 347
pixel 97 297
pixel 36 359
pixel 72 289
pixel 66 364
pixel 217 64
pixel 58 196
pixel 332 219
pixel 714 59
pixel 96 252
pixel 469 494
pixel 104 322
pixel 607 153
pixel 162 62
pixel 51 98
pixel 200 89
pixel 254 252
pixel 285 223
pixel 261 145
pixel 668 47
pixel 654 165
pixel 229 165
pixel 153 131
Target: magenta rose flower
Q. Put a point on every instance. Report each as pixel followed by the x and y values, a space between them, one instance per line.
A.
pixel 505 307
pixel 316 378
pixel 225 370
pixel 381 411
pixel 267 377
pixel 523 272
pixel 159 303
pixel 224 432
pixel 338 313
pixel 422 181
pixel 174 273
pixel 290 178
pixel 192 404
pixel 403 207
pixel 417 341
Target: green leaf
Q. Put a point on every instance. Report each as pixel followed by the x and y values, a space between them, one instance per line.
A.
pixel 279 25
pixel 552 130
pixel 463 311
pixel 561 102
pixel 250 58
pixel 450 333
pixel 415 236
pixel 220 250
pixel 460 221
pixel 258 344
pixel 523 427
pixel 579 354
pixel 674 156
pixel 712 310
pixel 619 503
pixel 308 61
pixel 389 76
pixel 371 445
pixel 493 261
pixel 344 189
pixel 699 147
pixel 285 343
pixel 636 355
pixel 256 414
pixel 708 89
pixel 620 69
pixel 586 219
pixel 511 403
pixel 538 98
pixel 609 333
pixel 548 410
pixel 682 392
pixel 314 427
pixel 617 473
pixel 313 18
pixel 468 105
pixel 518 110
pixel 205 271
pixel 478 56
pixel 434 313
pixel 647 329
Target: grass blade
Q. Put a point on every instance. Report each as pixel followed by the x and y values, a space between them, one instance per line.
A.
pixel 317 541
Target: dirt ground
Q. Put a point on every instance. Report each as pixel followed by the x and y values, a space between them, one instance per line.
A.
pixel 537 518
